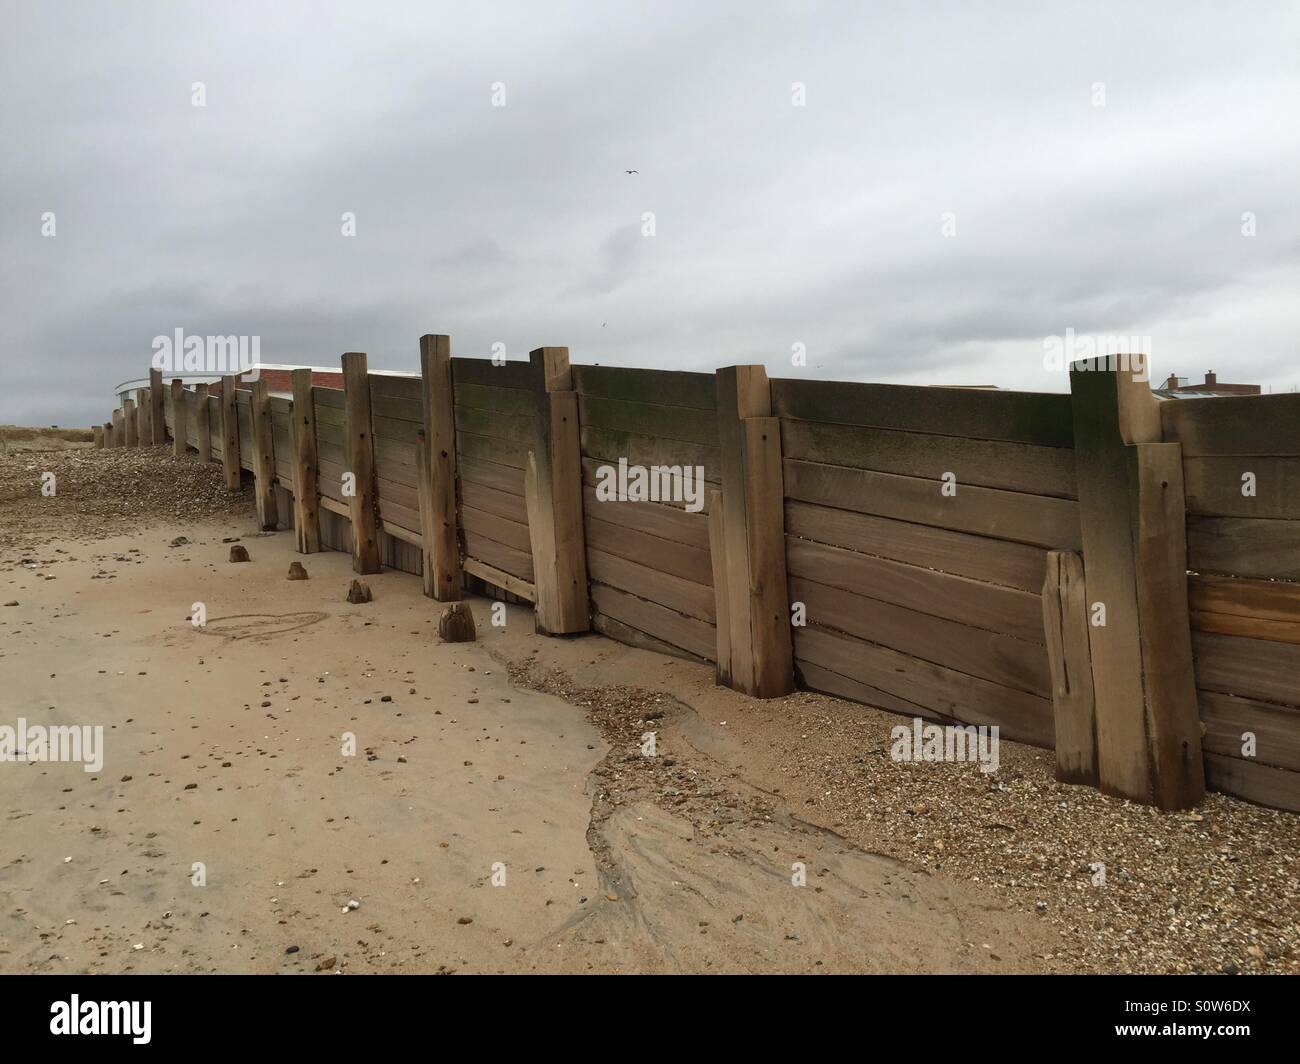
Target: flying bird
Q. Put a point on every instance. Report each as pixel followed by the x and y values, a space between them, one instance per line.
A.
pixel 631 171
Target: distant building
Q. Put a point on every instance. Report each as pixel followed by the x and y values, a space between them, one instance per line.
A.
pixel 1178 388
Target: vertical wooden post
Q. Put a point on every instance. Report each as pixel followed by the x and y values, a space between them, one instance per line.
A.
pixel 202 423
pixel 108 434
pixel 1135 560
pixel 721 595
pixel 156 416
pixel 129 425
pixel 1065 625
pixel 178 417
pixel 757 607
pixel 229 433
pixel 361 456
pixel 268 515
pixel 436 472
pixel 98 432
pixel 553 492
pixel 119 429
pixel 306 498
pixel 143 418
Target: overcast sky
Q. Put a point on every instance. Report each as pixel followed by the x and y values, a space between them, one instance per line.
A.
pixel 774 224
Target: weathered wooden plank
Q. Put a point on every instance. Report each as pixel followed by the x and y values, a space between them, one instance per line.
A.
pixel 492 475
pixel 626 634
pixel 493 526
pixel 130 426
pixel 1019 518
pixel 503 452
pixel 1273 731
pixel 609 445
pixel 1237 424
pixel 406 433
pixel 499 555
pixel 330 398
pixel 517 401
pixel 501 503
pixel 553 494
pixel 1020 467
pixel 244 425
pixel 957 598
pixel 592 474
pixel 676 629
pixel 306 506
pixel 676 559
pixel 393 513
pixel 1261 609
pixel 484 371
pixel 1065 626
pixel 650 419
pixel 499 578
pixel 262 447
pixel 814 677
pixel 717 546
pixel 995 561
pixel 684 596
pixel 1252 668
pixel 179 427
pixel 1244 546
pixel 361 460
pixel 514 428
pixel 665 387
pixel 157 417
pixel 397 385
pixel 392 408
pixel 1261 784
pixel 989 655
pixel 1019 417
pixel 1021 716
pixel 1214 486
pixel 652 518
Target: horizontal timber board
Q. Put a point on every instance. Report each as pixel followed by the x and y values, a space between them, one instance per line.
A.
pixel 502 529
pixel 398 387
pixel 607 446
pixel 1273 599
pixel 676 559
pixel 407 411
pixel 395 514
pixel 652 518
pixel 498 375
pixel 394 491
pixel 650 419
pixel 1021 716
pixel 492 475
pixel 1244 546
pixel 501 503
pixel 1262 784
pixel 499 555
pixel 330 398
pixel 1251 668
pixel 470 445
pixel 678 630
pixel 518 401
pixel 515 428
pixel 1213 486
pixel 1018 467
pixel 992 656
pixel 814 677
pixel 592 477
pixel 667 387
pixel 955 598
pixel 1276 728
pixel 616 630
pixel 995 561
pixel 390 428
pixel 684 596
pixel 1234 424
pixel 1010 515
pixel 1042 418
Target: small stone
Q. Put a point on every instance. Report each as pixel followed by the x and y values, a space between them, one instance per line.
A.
pixel 239 553
pixel 465 920
pixel 354 904
pixel 359 592
pixel 326 963
pixel 296 571
pixel 179 541
pixel 13 602
pixel 292 949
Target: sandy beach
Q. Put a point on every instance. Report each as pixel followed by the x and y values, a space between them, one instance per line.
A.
pixel 498 814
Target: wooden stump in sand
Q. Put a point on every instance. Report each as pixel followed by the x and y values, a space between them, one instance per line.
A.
pixel 456 625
